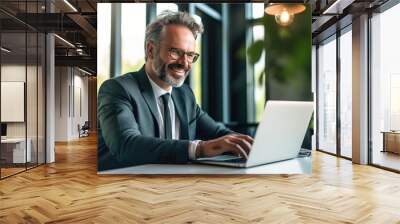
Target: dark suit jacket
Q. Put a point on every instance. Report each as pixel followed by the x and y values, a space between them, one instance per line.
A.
pixel 128 130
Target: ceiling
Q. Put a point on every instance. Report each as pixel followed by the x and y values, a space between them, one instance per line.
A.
pixel 77 25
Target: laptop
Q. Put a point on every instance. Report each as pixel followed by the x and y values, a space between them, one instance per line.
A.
pixel 279 135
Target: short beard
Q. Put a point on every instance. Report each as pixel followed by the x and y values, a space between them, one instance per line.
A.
pixel 161 72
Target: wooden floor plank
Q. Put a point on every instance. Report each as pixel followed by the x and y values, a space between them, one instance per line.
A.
pixel 70 191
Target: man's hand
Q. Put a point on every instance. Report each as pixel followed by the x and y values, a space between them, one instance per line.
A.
pixel 236 144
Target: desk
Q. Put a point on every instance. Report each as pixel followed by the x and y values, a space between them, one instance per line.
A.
pixel 13 150
pixel 293 166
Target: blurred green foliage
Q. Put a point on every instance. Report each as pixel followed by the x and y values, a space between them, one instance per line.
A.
pixel 288 57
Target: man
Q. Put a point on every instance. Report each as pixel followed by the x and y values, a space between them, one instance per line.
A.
pixel 150 116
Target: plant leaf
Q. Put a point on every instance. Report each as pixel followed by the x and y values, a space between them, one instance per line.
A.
pixel 255 51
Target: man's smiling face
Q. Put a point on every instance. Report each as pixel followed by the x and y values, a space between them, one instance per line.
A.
pixel 173 70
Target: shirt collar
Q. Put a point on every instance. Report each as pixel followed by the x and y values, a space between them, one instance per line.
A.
pixel 157 90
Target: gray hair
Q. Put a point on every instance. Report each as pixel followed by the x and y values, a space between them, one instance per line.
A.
pixel 167 17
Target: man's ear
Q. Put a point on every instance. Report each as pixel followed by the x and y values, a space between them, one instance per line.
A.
pixel 150 50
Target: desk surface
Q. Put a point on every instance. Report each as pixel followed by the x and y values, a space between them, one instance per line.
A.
pixel 13 140
pixel 293 166
pixel 390 132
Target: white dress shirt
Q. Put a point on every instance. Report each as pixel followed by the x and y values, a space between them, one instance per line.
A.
pixel 158 92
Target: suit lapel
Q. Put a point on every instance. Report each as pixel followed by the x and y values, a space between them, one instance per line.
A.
pixel 181 111
pixel 148 95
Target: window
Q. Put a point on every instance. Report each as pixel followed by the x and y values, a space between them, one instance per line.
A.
pixel 103 42
pixel 133 26
pixel 166 6
pixel 385 86
pixel 195 81
pixel 133 19
pixel 346 93
pixel 259 83
pixel 327 95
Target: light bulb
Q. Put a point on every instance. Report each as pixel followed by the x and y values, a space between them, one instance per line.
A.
pixel 284 18
pixel 284 13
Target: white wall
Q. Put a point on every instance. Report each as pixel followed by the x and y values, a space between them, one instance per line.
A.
pixel 61 103
pixel 71 94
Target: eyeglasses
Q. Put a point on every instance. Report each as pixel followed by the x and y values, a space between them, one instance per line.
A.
pixel 176 53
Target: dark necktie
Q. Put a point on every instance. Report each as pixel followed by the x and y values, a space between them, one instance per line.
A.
pixel 167 117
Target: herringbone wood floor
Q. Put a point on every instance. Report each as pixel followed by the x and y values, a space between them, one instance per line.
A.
pixel 70 191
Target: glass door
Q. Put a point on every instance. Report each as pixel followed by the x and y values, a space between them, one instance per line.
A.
pixel 14 153
pixel 385 89
pixel 345 42
pixel 326 104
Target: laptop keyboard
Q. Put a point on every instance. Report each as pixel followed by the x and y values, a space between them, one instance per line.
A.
pixel 223 158
pixel 236 159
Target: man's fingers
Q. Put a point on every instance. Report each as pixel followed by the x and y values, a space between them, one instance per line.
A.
pixel 234 147
pixel 246 137
pixel 249 139
pixel 242 142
